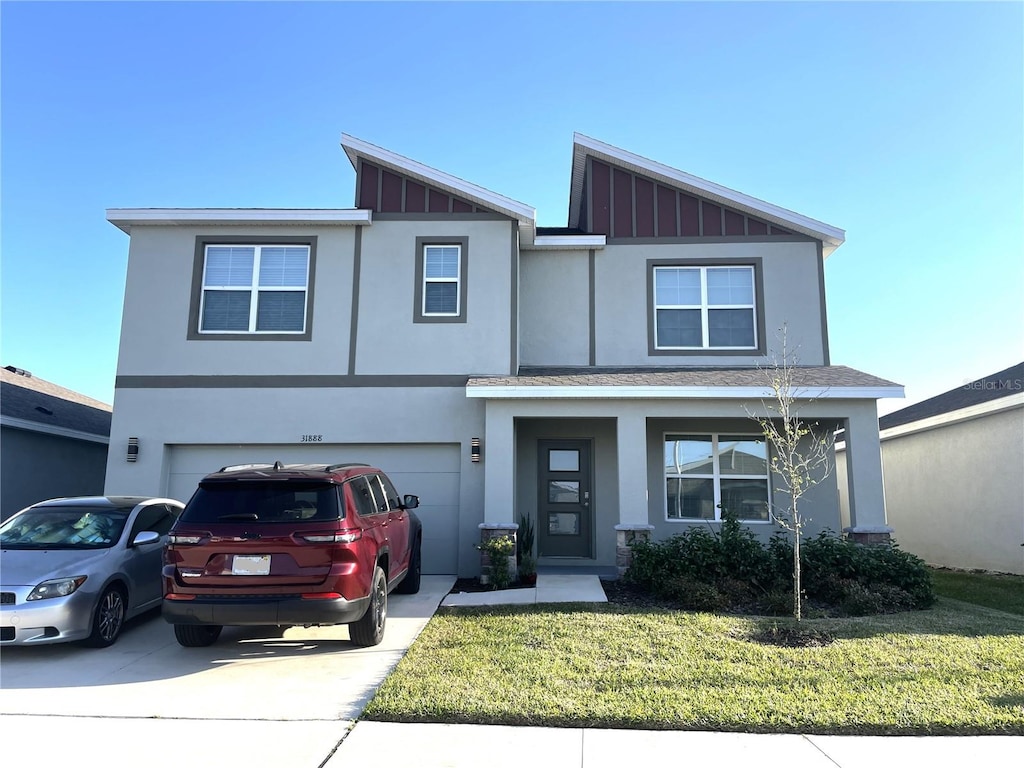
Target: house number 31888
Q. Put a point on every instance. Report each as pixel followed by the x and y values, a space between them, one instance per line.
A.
pixel 312 438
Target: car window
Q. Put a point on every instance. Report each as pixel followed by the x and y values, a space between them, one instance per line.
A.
pixel 362 493
pixel 389 491
pixel 263 502
pixel 156 517
pixel 64 527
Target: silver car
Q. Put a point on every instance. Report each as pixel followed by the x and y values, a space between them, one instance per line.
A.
pixel 78 568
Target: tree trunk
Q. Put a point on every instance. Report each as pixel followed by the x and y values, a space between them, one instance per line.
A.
pixel 796 570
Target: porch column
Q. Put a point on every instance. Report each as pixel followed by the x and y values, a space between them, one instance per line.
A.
pixel 498 458
pixel 864 476
pixel 632 460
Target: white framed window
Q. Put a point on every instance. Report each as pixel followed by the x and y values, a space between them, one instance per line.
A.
pixel 708 473
pixel 442 280
pixel 704 307
pixel 254 289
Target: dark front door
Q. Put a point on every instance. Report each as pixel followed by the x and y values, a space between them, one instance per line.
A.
pixel 565 520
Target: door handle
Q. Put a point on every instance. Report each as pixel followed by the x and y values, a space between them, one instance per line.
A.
pixel 586 498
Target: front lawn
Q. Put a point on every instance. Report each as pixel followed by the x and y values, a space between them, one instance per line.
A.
pixel 952 669
pixel 993 590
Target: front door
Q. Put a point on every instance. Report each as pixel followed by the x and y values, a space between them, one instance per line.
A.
pixel 565 519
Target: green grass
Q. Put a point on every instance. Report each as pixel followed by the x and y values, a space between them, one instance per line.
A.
pixel 993 590
pixel 951 670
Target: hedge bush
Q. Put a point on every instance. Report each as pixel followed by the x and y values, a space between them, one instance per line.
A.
pixel 731 570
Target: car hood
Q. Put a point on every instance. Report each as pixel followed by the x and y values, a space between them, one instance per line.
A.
pixel 28 567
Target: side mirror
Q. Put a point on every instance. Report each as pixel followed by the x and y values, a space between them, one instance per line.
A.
pixel 145 537
pixel 410 501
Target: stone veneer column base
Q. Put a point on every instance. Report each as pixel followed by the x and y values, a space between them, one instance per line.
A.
pixel 627 534
pixel 863 534
pixel 496 531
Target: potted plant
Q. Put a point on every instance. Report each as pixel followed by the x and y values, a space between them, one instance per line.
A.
pixel 501 561
pixel 528 570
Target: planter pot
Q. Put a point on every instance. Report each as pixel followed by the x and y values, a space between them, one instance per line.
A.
pixel 528 580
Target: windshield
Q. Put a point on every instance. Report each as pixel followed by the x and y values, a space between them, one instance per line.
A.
pixel 64 528
pixel 271 502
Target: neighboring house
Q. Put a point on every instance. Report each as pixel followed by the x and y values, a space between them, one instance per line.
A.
pixel 54 441
pixel 954 488
pixel 494 367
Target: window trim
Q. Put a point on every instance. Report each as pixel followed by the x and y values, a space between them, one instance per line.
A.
pixel 419 294
pixel 710 263
pixel 717 476
pixel 198 271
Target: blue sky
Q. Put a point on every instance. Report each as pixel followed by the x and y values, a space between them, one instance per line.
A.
pixel 901 123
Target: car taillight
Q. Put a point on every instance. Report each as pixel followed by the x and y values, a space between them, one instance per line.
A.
pixel 182 538
pixel 336 537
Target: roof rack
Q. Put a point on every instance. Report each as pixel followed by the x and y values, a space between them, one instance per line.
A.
pixel 334 467
pixel 277 466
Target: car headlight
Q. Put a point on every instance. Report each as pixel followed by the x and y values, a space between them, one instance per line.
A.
pixel 56 588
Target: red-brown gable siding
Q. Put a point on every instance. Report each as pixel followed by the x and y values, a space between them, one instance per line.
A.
pixel 619 203
pixel 384 191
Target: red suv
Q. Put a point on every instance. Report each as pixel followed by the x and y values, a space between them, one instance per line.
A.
pixel 301 544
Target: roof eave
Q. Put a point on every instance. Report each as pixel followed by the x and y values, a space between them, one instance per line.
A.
pixel 126 218
pixel 584 392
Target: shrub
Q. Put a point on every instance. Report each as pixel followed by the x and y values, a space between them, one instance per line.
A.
pixel 731 569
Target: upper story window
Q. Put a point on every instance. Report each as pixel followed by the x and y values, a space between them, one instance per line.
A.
pixel 704 307
pixel 441 280
pixel 441 264
pixel 254 289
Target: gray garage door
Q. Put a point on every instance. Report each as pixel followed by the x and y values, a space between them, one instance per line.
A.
pixel 429 471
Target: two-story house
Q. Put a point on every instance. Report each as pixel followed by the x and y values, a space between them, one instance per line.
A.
pixel 597 378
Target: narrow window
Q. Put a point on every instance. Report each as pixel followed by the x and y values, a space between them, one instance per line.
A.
pixel 442 280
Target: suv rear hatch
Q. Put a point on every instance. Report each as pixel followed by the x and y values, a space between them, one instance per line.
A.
pixel 259 536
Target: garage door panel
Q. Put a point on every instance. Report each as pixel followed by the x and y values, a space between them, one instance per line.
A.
pixel 431 472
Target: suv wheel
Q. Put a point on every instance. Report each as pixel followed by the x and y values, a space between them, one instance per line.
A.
pixel 369 630
pixel 411 583
pixel 196 635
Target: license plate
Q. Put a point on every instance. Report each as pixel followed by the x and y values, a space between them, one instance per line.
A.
pixel 250 565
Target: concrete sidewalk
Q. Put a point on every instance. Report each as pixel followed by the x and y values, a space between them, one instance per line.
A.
pixel 501 746
pixel 551 588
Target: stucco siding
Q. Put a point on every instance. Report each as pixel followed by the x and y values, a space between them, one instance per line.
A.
pixel 554 315
pixel 955 494
pixel 158 295
pixel 791 296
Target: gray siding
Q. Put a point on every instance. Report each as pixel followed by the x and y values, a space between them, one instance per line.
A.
pixel 562 325
pixel 37 466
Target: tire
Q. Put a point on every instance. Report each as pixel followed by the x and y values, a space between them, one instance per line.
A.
pixel 411 583
pixel 108 618
pixel 369 630
pixel 196 635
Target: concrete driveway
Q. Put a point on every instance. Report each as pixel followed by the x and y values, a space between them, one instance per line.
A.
pixel 258 697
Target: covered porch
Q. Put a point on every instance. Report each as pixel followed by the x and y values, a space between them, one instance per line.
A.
pixel 586 457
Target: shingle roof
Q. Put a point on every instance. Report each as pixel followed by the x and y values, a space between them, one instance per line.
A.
pixel 28 398
pixel 811 376
pixel 997 385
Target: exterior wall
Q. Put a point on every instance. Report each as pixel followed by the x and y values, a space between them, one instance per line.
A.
pixel 381 339
pixel 618 323
pixel 37 466
pixel 555 313
pixel 955 494
pixel 389 342
pixel 158 291
pixel 262 418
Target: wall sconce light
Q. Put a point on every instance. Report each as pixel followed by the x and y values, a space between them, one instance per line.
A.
pixel 474 450
pixel 133 449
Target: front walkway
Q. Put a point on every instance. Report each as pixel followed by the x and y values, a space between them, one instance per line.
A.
pixel 551 588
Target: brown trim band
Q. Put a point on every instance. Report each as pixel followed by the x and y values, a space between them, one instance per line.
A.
pixel 458 216
pixel 710 239
pixel 287 382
